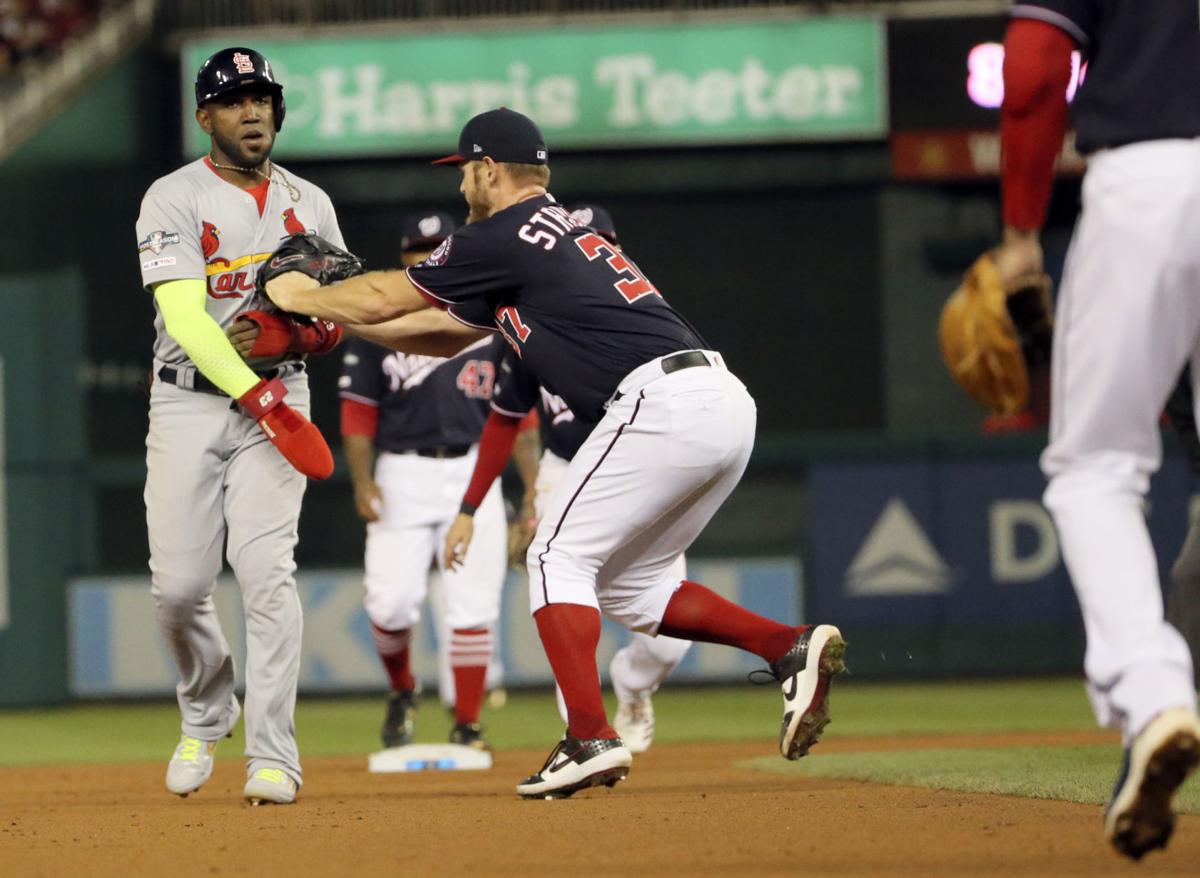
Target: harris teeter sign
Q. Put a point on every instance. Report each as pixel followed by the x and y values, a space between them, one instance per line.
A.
pixel 670 84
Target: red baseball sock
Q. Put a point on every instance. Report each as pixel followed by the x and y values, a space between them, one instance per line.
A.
pixel 393 651
pixel 697 613
pixel 570 634
pixel 470 649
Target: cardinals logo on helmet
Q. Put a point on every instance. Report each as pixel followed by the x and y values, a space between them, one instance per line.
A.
pixel 291 225
pixel 210 240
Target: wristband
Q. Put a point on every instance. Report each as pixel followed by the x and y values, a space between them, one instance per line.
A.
pixel 467 508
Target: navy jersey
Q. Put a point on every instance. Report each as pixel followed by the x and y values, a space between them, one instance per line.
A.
pixel 579 313
pixel 1143 66
pixel 424 402
pixel 517 391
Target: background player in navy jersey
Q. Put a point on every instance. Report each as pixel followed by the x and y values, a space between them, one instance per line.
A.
pixel 409 426
pixel 640 667
pixel 1127 321
pixel 674 432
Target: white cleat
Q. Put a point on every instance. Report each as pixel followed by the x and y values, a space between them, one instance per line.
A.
pixel 191 765
pixel 805 673
pixel 270 786
pixel 634 722
pixel 1140 817
pixel 575 765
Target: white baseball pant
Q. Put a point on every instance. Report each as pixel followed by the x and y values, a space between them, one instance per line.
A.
pixel 1127 320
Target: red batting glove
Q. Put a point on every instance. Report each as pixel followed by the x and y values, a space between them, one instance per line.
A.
pixel 297 439
pixel 281 334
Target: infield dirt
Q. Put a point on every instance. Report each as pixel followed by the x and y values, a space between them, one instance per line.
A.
pixel 685 810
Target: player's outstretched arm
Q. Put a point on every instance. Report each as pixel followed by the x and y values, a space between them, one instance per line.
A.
pixel 431 333
pixel 374 297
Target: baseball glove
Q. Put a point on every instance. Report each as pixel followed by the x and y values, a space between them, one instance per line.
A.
pixel 312 255
pixel 991 333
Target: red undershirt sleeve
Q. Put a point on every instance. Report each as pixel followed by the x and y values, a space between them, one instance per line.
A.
pixel 495 447
pixel 1033 117
pixel 530 422
pixel 359 419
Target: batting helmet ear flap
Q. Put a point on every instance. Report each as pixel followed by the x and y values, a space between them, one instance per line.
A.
pixel 235 68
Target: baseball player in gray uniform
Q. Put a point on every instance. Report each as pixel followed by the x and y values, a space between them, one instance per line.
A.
pixel 214 475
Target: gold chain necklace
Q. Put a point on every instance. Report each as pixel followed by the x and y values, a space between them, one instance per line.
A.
pixel 293 191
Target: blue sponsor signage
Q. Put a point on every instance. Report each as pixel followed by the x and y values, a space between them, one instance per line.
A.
pixel 952 566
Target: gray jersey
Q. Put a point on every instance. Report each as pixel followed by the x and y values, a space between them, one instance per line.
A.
pixel 193 224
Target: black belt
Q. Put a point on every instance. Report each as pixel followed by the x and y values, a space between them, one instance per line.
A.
pixel 685 360
pixel 171 375
pixel 440 452
pixel 673 363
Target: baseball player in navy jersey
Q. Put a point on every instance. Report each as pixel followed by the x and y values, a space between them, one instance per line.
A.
pixel 639 668
pixel 674 430
pixel 224 453
pixel 410 424
pixel 1127 321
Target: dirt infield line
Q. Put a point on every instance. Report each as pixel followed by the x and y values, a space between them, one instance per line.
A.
pixel 685 810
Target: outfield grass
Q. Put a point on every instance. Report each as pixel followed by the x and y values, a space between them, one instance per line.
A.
pixel 349 726
pixel 1082 773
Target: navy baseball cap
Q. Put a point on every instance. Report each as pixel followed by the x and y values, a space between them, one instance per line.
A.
pixel 503 135
pixel 598 218
pixel 421 231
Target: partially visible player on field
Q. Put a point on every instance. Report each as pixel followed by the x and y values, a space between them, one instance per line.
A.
pixel 409 427
pixel 1127 321
pixel 213 478
pixel 640 667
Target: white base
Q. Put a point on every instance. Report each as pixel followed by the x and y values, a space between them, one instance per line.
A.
pixel 429 757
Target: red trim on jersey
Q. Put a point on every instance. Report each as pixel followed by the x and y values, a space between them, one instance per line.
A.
pixel 529 422
pixel 359 419
pixel 260 193
pixel 428 295
pixel 1033 118
pixel 495 448
pixel 259 190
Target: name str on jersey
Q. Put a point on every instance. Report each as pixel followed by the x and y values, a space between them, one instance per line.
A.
pixel 578 312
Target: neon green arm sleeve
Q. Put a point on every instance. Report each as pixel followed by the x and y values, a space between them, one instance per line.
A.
pixel 182 305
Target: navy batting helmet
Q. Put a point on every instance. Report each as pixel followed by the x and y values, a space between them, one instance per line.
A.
pixel 235 68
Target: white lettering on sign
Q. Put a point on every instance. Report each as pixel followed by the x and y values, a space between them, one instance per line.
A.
pixel 358 100
pixel 642 94
pixel 1006 517
pixel 985 75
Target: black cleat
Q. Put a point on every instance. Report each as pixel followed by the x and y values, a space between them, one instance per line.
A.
pixel 469 735
pixel 398 723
